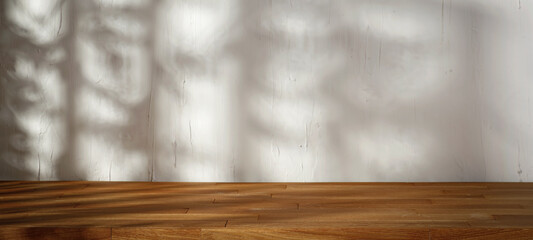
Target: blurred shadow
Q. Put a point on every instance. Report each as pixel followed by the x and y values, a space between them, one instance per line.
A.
pixel 253 91
pixel 30 105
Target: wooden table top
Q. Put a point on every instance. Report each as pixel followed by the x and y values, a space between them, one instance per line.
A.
pixel 143 210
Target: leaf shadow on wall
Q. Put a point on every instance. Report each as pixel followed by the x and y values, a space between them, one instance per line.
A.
pixel 30 85
pixel 320 91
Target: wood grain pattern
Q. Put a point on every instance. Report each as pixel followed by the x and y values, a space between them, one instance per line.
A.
pixel 481 234
pixel 137 210
pixel 315 233
pixel 54 233
pixel 141 233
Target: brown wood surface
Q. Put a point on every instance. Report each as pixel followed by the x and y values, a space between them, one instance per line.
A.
pixel 139 210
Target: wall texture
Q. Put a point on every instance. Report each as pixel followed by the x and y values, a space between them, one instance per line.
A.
pixel 257 90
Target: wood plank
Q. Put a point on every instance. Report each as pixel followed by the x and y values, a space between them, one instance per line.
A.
pixel 365 214
pixel 60 218
pixel 54 233
pixel 89 223
pixel 315 233
pixel 156 233
pixel 506 221
pixel 244 207
pixel 382 223
pixel 480 233
pixel 375 194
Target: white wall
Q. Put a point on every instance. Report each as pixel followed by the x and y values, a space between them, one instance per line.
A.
pixel 377 90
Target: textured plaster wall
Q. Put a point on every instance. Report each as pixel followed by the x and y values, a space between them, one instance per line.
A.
pixel 257 90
